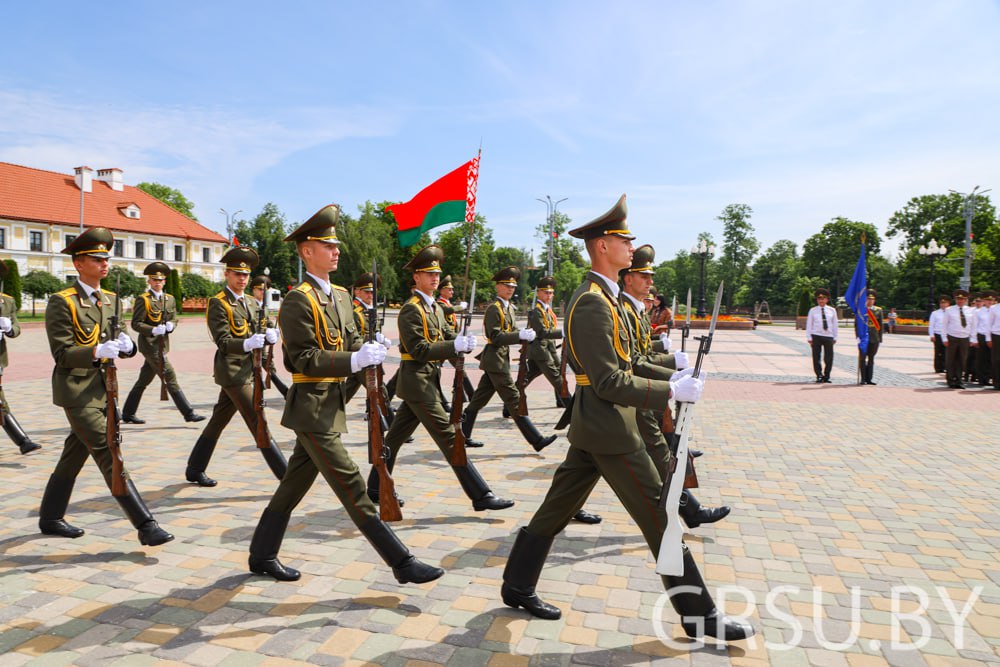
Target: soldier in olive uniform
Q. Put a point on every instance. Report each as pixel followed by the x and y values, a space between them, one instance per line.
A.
pixel 78 322
pixel 604 439
pixel 322 347
pixel 259 286
pixel 543 357
pixel 647 363
pixel 425 341
pixel 446 291
pixel 499 327
pixel 236 325
pixel 10 328
pixel 875 323
pixel 154 317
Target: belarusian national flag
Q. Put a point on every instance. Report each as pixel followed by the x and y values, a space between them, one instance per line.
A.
pixel 451 198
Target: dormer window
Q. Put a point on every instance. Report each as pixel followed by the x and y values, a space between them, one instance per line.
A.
pixel 130 210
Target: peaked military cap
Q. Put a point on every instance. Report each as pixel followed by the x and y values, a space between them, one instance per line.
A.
pixel 945 297
pixel 96 242
pixel 650 297
pixel 547 284
pixel 428 260
pixel 260 281
pixel 822 291
pixel 445 282
pixel 642 260
pixel 241 259
pixel 961 292
pixel 364 281
pixel 872 293
pixel 157 270
pixel 612 223
pixel 509 275
pixel 322 226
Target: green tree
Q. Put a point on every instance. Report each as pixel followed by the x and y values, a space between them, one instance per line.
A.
pixel 940 217
pixel 773 276
pixel 804 290
pixel 39 285
pixel 833 253
pixel 123 282
pixel 454 242
pixel 169 196
pixel 175 287
pixel 12 284
pixel 564 247
pixel 568 277
pixel 195 285
pixel 739 246
pixel 372 237
pixel 266 234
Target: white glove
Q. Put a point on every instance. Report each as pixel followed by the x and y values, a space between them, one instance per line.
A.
pixel 667 343
pixel 527 334
pixel 271 336
pixel 169 326
pixel 125 343
pixel 254 342
pixel 159 329
pixel 382 340
pixel 465 344
pixel 370 354
pixel 683 374
pixel 681 360
pixel 5 324
pixel 462 305
pixel 687 389
pixel 108 350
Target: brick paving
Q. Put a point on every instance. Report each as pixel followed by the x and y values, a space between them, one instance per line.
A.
pixel 840 491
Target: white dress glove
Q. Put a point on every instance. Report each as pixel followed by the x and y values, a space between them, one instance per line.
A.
pixel 370 354
pixel 125 343
pixel 527 334
pixel 687 389
pixel 462 305
pixel 465 344
pixel 159 329
pixel 5 324
pixel 254 342
pixel 667 343
pixel 271 336
pixel 169 326
pixel 681 360
pixel 108 350
pixel 382 340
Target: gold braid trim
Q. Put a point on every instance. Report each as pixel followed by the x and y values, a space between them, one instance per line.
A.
pixel 415 301
pixel 153 315
pixel 622 353
pixel 81 335
pixel 238 331
pixel 323 334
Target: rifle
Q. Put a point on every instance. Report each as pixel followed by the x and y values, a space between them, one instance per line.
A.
pixel 161 345
pixel 458 456
pixel 388 503
pixel 522 370
pixel 113 429
pixel 686 329
pixel 670 560
pixel 268 349
pixel 564 394
pixel 261 436
pixel 673 314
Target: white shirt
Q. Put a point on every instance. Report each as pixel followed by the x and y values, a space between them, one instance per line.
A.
pixel 995 323
pixel 936 323
pixel 814 322
pixel 429 300
pixel 983 321
pixel 639 305
pixel 953 322
pixel 92 292
pixel 544 305
pixel 323 283
pixel 611 284
pixel 158 295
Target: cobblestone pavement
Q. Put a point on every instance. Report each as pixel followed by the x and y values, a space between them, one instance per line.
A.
pixel 866 497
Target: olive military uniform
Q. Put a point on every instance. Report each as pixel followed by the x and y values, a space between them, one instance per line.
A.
pixel 271 323
pixel 543 356
pixel 875 323
pixel 8 309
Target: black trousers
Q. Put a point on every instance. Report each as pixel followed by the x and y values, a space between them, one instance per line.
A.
pixel 822 344
pixel 995 355
pixel 983 361
pixel 955 360
pixel 868 366
pixel 939 352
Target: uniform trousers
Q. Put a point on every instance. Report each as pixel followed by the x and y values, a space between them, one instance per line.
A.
pixel 429 414
pixel 955 360
pixel 548 368
pixel 149 372
pixel 822 344
pixel 495 382
pixel 231 399
pixel 939 354
pixel 88 436
pixel 868 359
pixel 983 361
pixel 995 356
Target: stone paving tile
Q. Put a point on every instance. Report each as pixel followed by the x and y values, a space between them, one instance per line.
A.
pixel 840 488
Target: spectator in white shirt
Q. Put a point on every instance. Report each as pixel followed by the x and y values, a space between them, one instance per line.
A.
pixel 821 334
pixel 935 329
pixel 983 370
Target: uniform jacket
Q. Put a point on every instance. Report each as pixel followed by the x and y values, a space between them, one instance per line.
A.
pixel 873 331
pixel 425 340
pixel 318 335
pixel 75 326
pixel 448 311
pixel 149 312
pixel 8 308
pixel 500 330
pixel 543 321
pixel 608 392
pixel 646 361
pixel 229 324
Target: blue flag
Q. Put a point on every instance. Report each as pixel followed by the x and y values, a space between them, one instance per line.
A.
pixel 857 299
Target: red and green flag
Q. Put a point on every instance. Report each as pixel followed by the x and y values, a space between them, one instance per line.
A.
pixel 451 198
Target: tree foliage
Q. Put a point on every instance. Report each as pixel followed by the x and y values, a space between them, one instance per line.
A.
pixel 195 285
pixel 832 254
pixel 564 247
pixel 372 237
pixel 169 196
pixel 774 275
pixel 739 246
pixel 123 282
pixel 266 234
pixel 176 288
pixel 453 242
pixel 13 284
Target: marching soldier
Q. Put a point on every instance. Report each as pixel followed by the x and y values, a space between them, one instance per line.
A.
pixel 876 324
pixel 935 328
pixel 647 363
pixel 259 287
pixel 10 328
pixel 498 326
pixel 446 291
pixel 542 356
pixel 425 341
pixel 322 348
pixel 234 322
pixel 154 317
pixel 959 328
pixel 605 441
pixel 821 334
pixel 78 325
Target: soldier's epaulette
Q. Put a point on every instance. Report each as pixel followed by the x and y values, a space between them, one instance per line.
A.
pixel 220 295
pixel 594 287
pixel 69 291
pixel 415 300
pixel 109 293
pixel 338 287
pixel 304 287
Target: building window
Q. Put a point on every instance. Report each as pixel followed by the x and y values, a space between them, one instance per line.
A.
pixel 35 241
pixel 3 238
pixel 178 253
pixel 140 250
pixel 159 251
pixel 206 255
pixel 119 248
pixel 69 239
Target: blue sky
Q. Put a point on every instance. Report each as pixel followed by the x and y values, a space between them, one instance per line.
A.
pixel 803 110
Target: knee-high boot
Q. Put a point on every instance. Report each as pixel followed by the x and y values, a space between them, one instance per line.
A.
pixel 201 454
pixel 17 434
pixel 131 405
pixel 135 509
pixel 405 567
pixel 275 459
pixel 476 489
pixel 524 566
pixel 184 407
pixel 699 615
pixel 265 545
pixel 468 423
pixel 531 434
pixel 55 500
pixel 694 514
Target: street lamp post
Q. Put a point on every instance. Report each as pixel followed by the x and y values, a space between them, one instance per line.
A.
pixel 933 252
pixel 965 282
pixel 702 251
pixel 229 226
pixel 550 217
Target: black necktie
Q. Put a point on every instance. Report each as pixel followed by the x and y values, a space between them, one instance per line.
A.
pixel 822 309
pixel 961 315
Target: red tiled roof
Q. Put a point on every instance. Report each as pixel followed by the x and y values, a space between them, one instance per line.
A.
pixel 49 197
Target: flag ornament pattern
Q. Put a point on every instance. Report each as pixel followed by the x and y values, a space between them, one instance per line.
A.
pixel 857 299
pixel 451 198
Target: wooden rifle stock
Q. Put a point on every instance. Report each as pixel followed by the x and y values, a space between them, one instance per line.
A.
pixel 113 429
pixel 522 381
pixel 261 436
pixel 388 503
pixel 162 347
pixel 458 454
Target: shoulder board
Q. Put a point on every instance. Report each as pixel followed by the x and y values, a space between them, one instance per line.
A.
pixel 220 295
pixel 441 300
pixel 69 291
pixel 109 293
pixel 359 309
pixel 304 287
pixel 415 300
pixel 594 287
pixel 338 288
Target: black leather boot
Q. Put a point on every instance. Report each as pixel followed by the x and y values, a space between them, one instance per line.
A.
pixel 275 460
pixel 699 615
pixel 131 405
pixel 201 454
pixel 53 509
pixel 524 565
pixel 477 490
pixel 279 385
pixel 559 401
pixel 17 434
pixel 468 423
pixel 583 516
pixel 184 407
pixel 505 413
pixel 150 533
pixel 694 514
pixel 531 434
pixel 405 567
pixel 265 544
